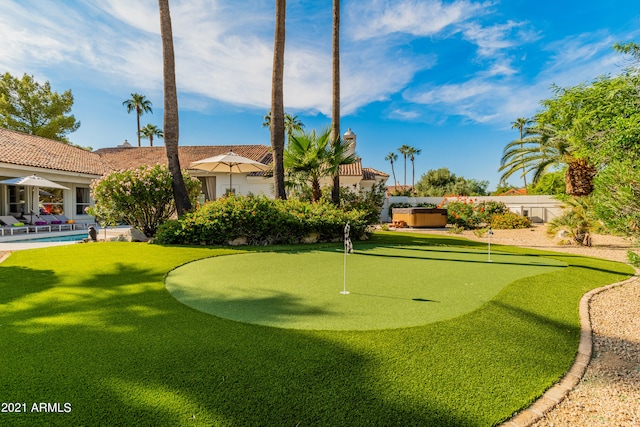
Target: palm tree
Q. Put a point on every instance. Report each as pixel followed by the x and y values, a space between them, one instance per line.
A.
pixel 277 101
pixel 540 150
pixel 543 149
pixel 412 153
pixel 140 104
pixel 312 156
pixel 150 131
pixel 171 127
pixel 335 98
pixel 404 150
pixel 305 158
pixel 520 124
pixel 291 124
pixel 392 157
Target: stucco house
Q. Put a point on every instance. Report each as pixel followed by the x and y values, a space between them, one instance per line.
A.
pixel 76 168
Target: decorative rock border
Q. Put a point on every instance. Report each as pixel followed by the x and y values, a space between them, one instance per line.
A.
pixel 559 391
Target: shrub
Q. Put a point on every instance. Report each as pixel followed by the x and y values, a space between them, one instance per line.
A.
pixel 487 209
pixel 509 220
pixel 455 229
pixel 462 212
pixel 634 258
pixel 262 221
pixel 368 201
pixel 141 197
pixel 398 205
pixel 577 220
pixel 426 205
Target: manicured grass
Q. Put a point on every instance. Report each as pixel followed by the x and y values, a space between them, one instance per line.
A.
pixel 93 325
pixel 389 286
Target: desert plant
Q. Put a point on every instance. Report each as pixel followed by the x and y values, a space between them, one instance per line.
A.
pixel 576 220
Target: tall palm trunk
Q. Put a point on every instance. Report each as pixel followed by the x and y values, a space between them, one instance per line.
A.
pixel 180 194
pixel 395 181
pixel 579 177
pixel 277 101
pixel 138 113
pixel 524 171
pixel 405 173
pixel 335 105
pixel 316 191
pixel 413 174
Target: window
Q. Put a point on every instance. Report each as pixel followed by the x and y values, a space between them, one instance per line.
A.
pixel 51 201
pixel 82 200
pixel 16 200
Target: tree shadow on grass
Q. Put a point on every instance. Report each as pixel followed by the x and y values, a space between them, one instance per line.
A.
pixel 17 282
pixel 275 308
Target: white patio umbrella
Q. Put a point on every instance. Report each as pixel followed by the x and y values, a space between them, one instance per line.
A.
pixel 229 162
pixel 35 182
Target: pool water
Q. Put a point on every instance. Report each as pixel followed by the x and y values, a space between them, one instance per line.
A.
pixel 67 238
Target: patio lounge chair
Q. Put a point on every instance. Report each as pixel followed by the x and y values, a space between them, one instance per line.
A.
pixel 11 224
pixel 55 222
pixel 35 223
pixel 64 220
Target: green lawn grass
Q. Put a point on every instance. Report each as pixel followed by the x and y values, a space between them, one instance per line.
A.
pixel 389 286
pixel 94 326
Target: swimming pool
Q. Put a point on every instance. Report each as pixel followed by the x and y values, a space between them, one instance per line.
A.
pixel 60 238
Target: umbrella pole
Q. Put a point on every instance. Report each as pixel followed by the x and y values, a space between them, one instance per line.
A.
pixel 230 186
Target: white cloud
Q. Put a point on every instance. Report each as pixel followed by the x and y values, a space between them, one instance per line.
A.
pixel 224 54
pixel 497 37
pixel 500 93
pixel 378 18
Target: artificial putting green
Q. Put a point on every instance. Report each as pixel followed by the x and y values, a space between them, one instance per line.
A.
pixel 389 287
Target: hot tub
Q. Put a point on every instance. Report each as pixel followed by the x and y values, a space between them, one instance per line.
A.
pixel 420 217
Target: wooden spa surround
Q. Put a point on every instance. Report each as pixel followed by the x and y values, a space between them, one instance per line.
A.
pixel 420 217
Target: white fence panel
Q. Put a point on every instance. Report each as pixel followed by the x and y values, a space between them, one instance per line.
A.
pixel 537 208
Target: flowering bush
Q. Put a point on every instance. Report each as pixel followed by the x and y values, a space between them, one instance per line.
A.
pixel 461 212
pixel 509 220
pixel 487 209
pixel 261 221
pixel 142 197
pixel 469 214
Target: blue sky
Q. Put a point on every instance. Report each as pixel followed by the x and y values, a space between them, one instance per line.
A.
pixel 447 77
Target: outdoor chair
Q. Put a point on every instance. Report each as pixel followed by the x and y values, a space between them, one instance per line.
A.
pixel 64 220
pixel 35 223
pixel 11 224
pixel 56 222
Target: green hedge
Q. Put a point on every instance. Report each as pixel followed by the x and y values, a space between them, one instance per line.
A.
pixel 262 221
pixel 509 220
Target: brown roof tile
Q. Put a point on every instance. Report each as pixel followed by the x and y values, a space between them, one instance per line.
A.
pixel 354 169
pixel 369 174
pixel 28 150
pixel 131 157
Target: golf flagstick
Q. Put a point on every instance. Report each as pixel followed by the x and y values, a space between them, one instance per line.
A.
pixel 489 234
pixel 348 248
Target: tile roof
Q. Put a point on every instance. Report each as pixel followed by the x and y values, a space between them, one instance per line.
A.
pixel 369 174
pixel 131 157
pixel 28 150
pixel 515 192
pixel 354 169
